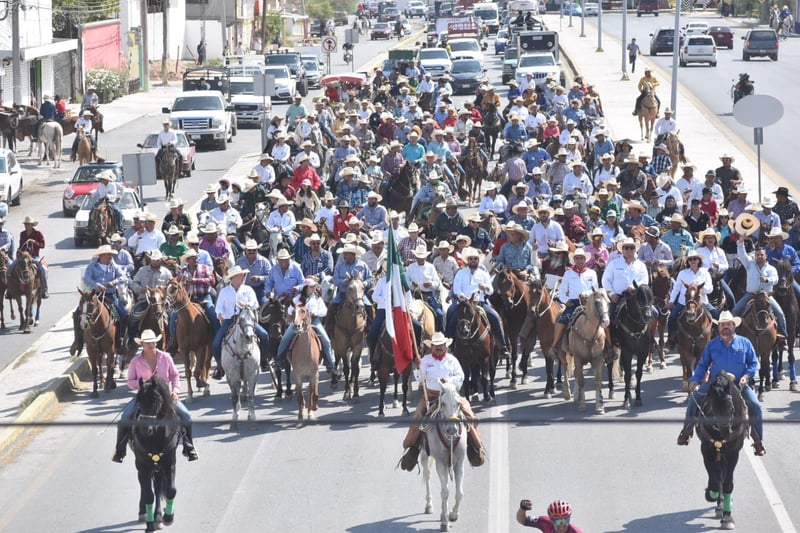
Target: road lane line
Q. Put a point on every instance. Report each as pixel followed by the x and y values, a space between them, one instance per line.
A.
pixel 499 482
pixel 774 499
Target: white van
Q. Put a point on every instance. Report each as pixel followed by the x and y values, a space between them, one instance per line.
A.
pixel 489 14
pixel 525 6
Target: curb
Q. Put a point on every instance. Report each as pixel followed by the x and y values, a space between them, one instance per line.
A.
pixel 45 403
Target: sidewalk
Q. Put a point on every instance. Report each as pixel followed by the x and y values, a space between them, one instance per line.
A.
pixel 703 134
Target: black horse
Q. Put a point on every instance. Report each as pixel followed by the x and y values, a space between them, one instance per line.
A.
pixel 492 126
pixel 634 332
pixel 156 432
pixel 721 427
pixel 783 292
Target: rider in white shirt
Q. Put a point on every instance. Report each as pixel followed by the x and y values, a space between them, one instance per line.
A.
pixel 84 122
pixel 577 280
pixel 283 218
pixel 620 276
pixel 666 124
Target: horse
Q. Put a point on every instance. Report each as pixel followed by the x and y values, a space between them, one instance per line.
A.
pixel 787 299
pixel 759 325
pixel 4 266
pixel 543 315
pixel 103 222
pixel 349 331
pixel 8 129
pixel 721 427
pixel 169 169
pixel 511 298
pixel 97 122
pixel 694 331
pixel 474 349
pixel 99 335
pixel 648 109
pixel 400 189
pixel 585 345
pixel 239 361
pixel 492 126
pixel 272 316
pixel 661 282
pixel 23 281
pixel 193 335
pixel 155 435
pixel 445 444
pixel 155 317
pixel 635 335
pixel 674 152
pixel 50 138
pixel 84 151
pixel 304 354
pixel 386 366
pixel 474 170
pixel 785 27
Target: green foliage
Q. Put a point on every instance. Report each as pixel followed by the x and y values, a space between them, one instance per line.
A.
pixel 344 5
pixel 109 84
pixel 319 9
pixel 273 26
pixel 83 11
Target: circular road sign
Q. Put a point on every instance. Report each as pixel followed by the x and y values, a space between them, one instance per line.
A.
pixel 329 44
pixel 758 110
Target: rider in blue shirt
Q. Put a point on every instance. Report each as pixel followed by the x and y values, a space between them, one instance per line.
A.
pixel 515 130
pixel 513 91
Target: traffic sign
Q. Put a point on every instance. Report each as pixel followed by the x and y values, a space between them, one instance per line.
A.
pixel 329 44
pixel 758 110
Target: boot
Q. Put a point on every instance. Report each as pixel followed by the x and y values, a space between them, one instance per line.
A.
pixel 560 329
pixel 409 459
pixel 609 352
pixel 759 449
pixel 77 343
pixel 123 434
pixel 188 445
pixel 475 452
pixel 685 436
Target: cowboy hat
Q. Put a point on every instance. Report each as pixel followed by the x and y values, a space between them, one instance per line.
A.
pixel 513 226
pixel 469 251
pixel 568 205
pixel 251 244
pixel 189 255
pixel 727 156
pixel 560 246
pixel 438 339
pixel 693 254
pixel 653 231
pixel 627 241
pixel 466 238
pixel 209 228
pixel 576 162
pixel 307 222
pixel 444 244
pixel 283 254
pixel 210 189
pixel 488 186
pixel 353 221
pixel 191 238
pixel 266 157
pixel 351 249
pixel 173 230
pixel 421 251
pixel 543 207
pixel 314 237
pixel 661 146
pixel 520 185
pixel 282 202
pixel 727 316
pixel 148 335
pixel 662 179
pixel 559 212
pixel 723 213
pixel 475 217
pixel 636 205
pixel 104 249
pixel 413 228
pixel 775 231
pixel 106 175
pixel 236 270
pixel 766 202
pixel 597 232
pixel 783 191
pixel 679 219
pixel 155 255
pixel 708 232
pixel 30 220
pixel 578 252
pixel 633 160
pixel 87 113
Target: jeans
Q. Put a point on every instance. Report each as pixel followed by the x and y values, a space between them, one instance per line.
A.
pixel 373 335
pixel 216 344
pixel 738 309
pixel 672 321
pixel 288 335
pixel 569 310
pixel 432 299
pixel 723 285
pixel 749 396
pixel 491 314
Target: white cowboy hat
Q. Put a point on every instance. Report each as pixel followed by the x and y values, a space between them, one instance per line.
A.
pixel 210 189
pixel 469 251
pixel 30 220
pixel 209 228
pixel 237 270
pixel 487 186
pixel 87 113
pixel 314 237
pixel 173 204
pixel 351 249
pixel 251 244
pixel 438 339
pixel 413 228
pixel 421 251
pixel 191 238
pixel 775 231
pixel 662 179
pixel 627 241
pixel 679 219
pixel 746 224
pixel 283 254
pixel 513 226
pixel 579 252
pixel 106 175
pixel 466 238
pixel 708 232
pixel 444 244
pixel 155 255
pixel 148 335
pixel 104 249
pixel 692 254
pixel 766 201
pixel 173 230
pixel 373 194
pixel 727 316
pixel 727 156
pixel 560 246
pixel 189 255
pixel 150 217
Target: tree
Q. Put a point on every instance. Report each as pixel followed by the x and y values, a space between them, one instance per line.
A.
pixel 319 9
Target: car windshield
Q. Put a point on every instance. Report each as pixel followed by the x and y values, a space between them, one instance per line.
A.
pixel 241 87
pixel 502 34
pixel 433 53
pixel 89 174
pixel 197 103
pixel 465 46
pixel 486 13
pixel 762 36
pixel 281 59
pixel 150 140
pixel 536 61
pixel 277 72
pixel 471 65
pixel 311 65
pixel 381 26
pixel 666 33
pixel 511 53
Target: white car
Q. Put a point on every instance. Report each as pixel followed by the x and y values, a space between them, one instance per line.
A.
pixel 540 64
pixel 591 9
pixel 465 49
pixel 698 49
pixel 10 177
pixel 416 8
pixel 436 61
pixel 129 203
pixel 695 28
pixel 285 85
pixel 247 106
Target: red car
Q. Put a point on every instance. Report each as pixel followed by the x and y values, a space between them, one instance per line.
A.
pixel 84 182
pixel 722 35
pixel 185 147
pixel 380 30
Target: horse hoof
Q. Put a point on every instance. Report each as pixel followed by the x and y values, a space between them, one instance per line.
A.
pixel 513 385
pixel 649 369
pixel 444 527
pixel 727 522
pixel 638 403
pixel 548 395
pixel 718 513
pixel 169 518
pixel 774 383
pixel 760 396
pixel 150 527
pixel 524 380
pixel 453 517
pixel 793 386
pixel 395 404
pixel 94 394
pixel 207 391
pixel 626 405
pixel 428 509
pixel 600 410
pixel 611 395
pixel 663 365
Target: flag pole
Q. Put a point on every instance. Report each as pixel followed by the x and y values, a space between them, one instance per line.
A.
pixel 417 358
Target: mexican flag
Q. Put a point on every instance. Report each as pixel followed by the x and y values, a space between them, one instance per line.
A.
pixel 398 321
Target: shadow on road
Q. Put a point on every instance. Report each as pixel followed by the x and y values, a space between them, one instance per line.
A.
pixel 674 522
pixel 393 524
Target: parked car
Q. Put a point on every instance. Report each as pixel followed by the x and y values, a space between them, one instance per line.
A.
pixel 698 49
pixel 416 8
pixel 760 43
pixel 571 9
pixel 380 30
pixel 647 7
pixel 695 28
pixel 466 75
pixel 185 147
pixel 722 35
pixel 510 58
pixel 500 41
pixel 340 18
pixel 591 9
pixel 84 182
pixel 661 41
pixel 10 176
pixel 129 203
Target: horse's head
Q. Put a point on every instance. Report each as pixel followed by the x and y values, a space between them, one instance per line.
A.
pixel 174 292
pixel 721 400
pixel 466 319
pixel 154 402
pixel 273 314
pixel 327 288
pixel 155 300
pixel 89 308
pixel 302 318
pixel 639 304
pixel 648 88
pixel 600 304
pixel 450 409
pixel 354 292
pixel 246 321
pixel 785 276
pixel 694 301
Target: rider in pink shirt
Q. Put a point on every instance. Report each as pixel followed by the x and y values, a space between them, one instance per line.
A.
pixel 557 520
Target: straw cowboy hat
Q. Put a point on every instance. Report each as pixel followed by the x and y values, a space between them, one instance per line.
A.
pixel 517 207
pixel 542 208
pixel 596 232
pixel 307 222
pixel 626 242
pixel 488 186
pixel 662 179
pixel 469 251
pixel 107 175
pixel 475 217
pixel 314 237
pixel 746 224
pixel 251 245
pixel 174 230
pixel 103 250
pixel 351 249
pixel 211 189
pixel 560 246
pixel 30 220
pixel 636 205
pixel 438 339
pixel 237 270
pixel 727 316
pixel 513 226
pixel 283 254
pixel 373 194
pixel 679 219
pixel 692 254
pixel 727 156
pixel 421 251
pixel 188 255
pixel 444 244
pixel 466 238
pixel 776 232
pixel 155 255
pixel 708 232
pixel 148 335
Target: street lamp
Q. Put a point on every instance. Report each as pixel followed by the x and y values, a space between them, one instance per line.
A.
pixel 676 48
pixel 583 18
pixel 624 38
pixel 599 26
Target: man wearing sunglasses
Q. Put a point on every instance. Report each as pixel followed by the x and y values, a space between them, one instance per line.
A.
pixel 557 520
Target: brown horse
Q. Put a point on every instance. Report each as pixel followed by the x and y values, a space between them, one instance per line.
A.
pixel 99 334
pixel 648 109
pixel 4 265
pixel 304 354
pixel 169 169
pixel 193 335
pixel 759 325
pixel 23 281
pixel 84 151
pixel 694 332
pixel 103 223
pixel 674 151
pixel 512 299
pixel 475 172
pixel 155 316
pixel 475 349
pixel 348 334
pixel 544 312
pixel 661 282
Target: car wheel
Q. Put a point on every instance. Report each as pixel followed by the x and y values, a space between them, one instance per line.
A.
pixel 652 52
pixel 681 62
pixel 235 128
pixel 222 145
pixel 774 57
pixel 638 14
pixel 78 242
pixel 713 63
pixel 745 57
pixel 656 13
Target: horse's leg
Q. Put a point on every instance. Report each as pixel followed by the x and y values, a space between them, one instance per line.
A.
pixel 236 400
pixel 406 386
pixel 169 493
pixel 348 387
pixel 792 370
pixel 442 470
pixel 511 364
pixel 425 461
pixel 580 382
pixel 777 363
pixel 395 396
pixel 146 497
pixel 458 483
pixel 190 369
pixel 95 370
pixel 626 356
pixel 597 364
pixel 355 363
pixel 640 362
pixel 301 397
pixel 383 379
pixel 287 367
pixel 550 386
pixel 251 391
pixel 111 361
pixel 158 491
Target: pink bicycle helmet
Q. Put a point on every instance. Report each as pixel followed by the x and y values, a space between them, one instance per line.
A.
pixel 559 509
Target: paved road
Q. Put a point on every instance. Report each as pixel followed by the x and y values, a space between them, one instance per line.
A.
pixel 621 471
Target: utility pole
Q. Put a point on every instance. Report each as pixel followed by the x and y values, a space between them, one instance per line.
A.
pixel 224 27
pixel 263 26
pixel 165 42
pixel 145 73
pixel 16 70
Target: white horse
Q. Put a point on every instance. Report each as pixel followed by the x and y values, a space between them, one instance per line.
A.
pixel 50 137
pixel 327 288
pixel 446 435
pixel 240 360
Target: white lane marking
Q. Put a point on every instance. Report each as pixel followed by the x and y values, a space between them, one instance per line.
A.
pixel 774 499
pixel 498 462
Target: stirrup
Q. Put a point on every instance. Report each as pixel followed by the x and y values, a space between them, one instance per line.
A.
pixel 409 459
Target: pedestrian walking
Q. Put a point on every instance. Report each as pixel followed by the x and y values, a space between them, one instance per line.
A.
pixel 633 52
pixel 201 52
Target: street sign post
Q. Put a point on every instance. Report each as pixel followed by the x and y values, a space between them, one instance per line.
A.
pixel 264 86
pixel 329 44
pixel 758 111
pixel 139 169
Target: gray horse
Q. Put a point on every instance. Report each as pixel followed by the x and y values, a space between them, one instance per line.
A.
pixel 241 362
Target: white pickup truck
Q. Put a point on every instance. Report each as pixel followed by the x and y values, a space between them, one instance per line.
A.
pixel 205 116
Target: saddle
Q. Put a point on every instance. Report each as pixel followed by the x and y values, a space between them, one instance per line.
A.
pixel 294 340
pixel 750 305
